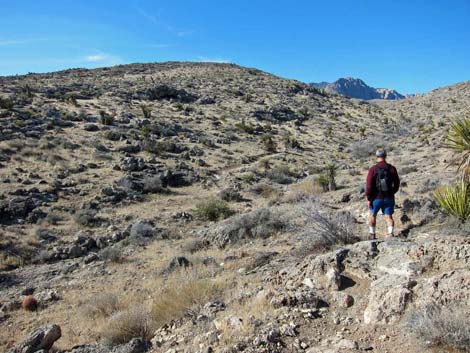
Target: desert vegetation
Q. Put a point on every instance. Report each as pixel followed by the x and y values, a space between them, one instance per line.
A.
pixel 204 207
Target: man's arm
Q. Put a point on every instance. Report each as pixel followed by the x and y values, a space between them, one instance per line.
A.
pixel 369 183
pixel 396 181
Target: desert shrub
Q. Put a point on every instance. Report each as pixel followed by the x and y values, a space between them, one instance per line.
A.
pixel 112 254
pixel 292 142
pixel 54 218
pixel 154 185
pixel 125 325
pixel 428 185
pixel 365 148
pixel 264 190
pixel 142 230
pixel 105 118
pixel 261 223
pixel 86 218
pixel 280 174
pixel 244 127
pixel 265 163
pixel 230 194
pixel 182 293
pixel 362 131
pixel 408 169
pixel 268 143
pixel 195 245
pixel 212 209
pixel 248 177
pixel 455 199
pixel 6 103
pixel 9 262
pixel 303 190
pixel 325 230
pixel 443 326
pixel 146 111
pixel 102 305
pixel 323 181
pixel 112 135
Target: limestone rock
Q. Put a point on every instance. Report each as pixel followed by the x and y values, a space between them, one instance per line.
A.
pixel 41 339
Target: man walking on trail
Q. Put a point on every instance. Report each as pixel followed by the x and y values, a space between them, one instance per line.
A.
pixel 381 186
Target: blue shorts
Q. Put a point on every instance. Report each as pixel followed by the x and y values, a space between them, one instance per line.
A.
pixel 386 205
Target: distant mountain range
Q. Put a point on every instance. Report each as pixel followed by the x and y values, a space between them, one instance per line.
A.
pixel 356 88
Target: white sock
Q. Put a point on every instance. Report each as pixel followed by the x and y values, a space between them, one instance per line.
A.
pixel 390 229
pixel 371 230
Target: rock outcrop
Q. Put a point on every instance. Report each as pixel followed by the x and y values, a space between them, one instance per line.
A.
pixel 356 88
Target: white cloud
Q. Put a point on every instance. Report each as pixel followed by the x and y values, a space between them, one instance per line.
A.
pixel 94 58
pixel 102 59
pixel 180 32
pixel 184 33
pixel 213 59
pixel 163 45
pixel 146 15
pixel 6 42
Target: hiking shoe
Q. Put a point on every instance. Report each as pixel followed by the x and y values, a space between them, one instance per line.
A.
pixel 372 236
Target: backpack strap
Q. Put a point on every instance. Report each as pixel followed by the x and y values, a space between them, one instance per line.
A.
pixel 378 169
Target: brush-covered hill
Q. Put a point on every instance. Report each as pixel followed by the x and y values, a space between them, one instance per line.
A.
pixel 202 207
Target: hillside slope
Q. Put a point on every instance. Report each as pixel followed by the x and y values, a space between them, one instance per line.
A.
pixel 107 185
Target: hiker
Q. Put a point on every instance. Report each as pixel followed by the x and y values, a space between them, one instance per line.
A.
pixel 381 186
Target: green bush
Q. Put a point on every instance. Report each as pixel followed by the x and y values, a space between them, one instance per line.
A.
pixel 213 209
pixel 6 103
pixel 455 199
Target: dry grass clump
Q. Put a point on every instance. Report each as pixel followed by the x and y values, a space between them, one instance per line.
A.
pixel 323 231
pixel 443 326
pixel 182 294
pixel 116 319
pixel 103 305
pixel 127 324
pixel 303 190
pixel 212 209
pixel 243 318
pixel 8 262
pixel 266 191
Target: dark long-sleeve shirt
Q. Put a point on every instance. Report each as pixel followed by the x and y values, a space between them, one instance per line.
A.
pixel 371 189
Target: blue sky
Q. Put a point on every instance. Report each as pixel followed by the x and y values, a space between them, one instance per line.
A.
pixel 412 46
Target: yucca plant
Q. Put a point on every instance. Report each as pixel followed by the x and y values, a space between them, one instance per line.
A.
pixel 330 172
pixel 458 139
pixel 455 199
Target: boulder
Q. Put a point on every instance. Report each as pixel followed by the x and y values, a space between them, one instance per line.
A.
pixel 41 339
pixel 132 164
pixel 388 299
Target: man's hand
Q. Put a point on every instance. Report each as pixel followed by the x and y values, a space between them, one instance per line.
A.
pixel 369 204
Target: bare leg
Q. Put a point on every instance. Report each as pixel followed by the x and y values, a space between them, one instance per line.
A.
pixel 372 222
pixel 390 224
